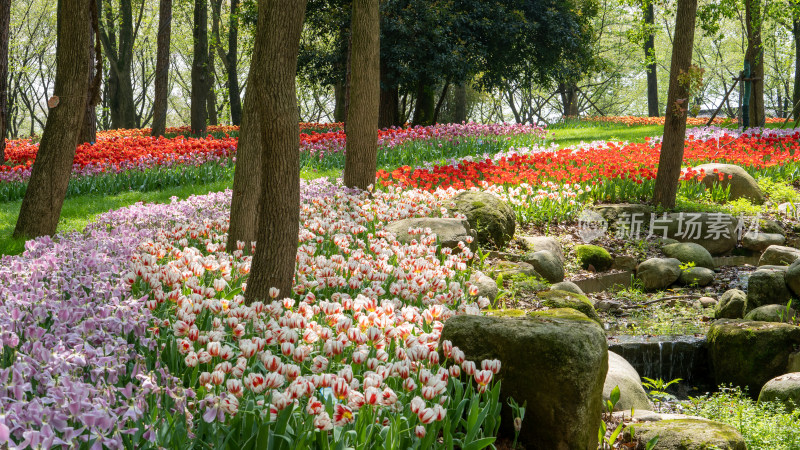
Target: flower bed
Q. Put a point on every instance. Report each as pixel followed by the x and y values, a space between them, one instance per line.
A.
pixel 690 121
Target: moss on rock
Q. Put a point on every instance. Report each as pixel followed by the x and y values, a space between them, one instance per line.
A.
pixel 493 220
pixel 593 255
pixel 687 434
pixel 565 299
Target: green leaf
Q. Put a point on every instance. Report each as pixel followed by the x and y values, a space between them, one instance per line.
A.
pixel 480 443
pixel 615 395
pixel 651 443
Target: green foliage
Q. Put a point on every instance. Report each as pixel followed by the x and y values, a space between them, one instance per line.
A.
pixel 778 191
pixel 593 255
pixel 657 389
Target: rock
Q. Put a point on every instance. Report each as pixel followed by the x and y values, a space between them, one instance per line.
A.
pixel 546 264
pixel 689 252
pixel 707 302
pixel 449 232
pixel 792 277
pixel 509 269
pixel 716 232
pixel 624 262
pixel 555 359
pixel 758 242
pixel 610 306
pixel 749 353
pixel 494 221
pixel 487 287
pixel 564 299
pixel 625 212
pixel 595 256
pixel 784 389
pixel 771 313
pixel 699 276
pixel 658 273
pixel 782 269
pixel 778 255
pixel 622 374
pixel 742 184
pixel 794 363
pixel 770 226
pixel 537 243
pixel 568 286
pixel 687 434
pixel 731 305
pixel 790 209
pixel 766 287
pixel 640 415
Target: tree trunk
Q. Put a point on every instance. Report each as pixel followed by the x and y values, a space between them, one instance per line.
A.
pixel 755 56
pixel 200 73
pixel 569 99
pixel 279 209
pixel 231 63
pixel 5 20
pixel 460 107
pixel 389 102
pixel 796 93
pixel 362 124
pixel 650 57
pixel 211 98
pixel 339 111
pixel 423 110
pixel 439 104
pixel 671 158
pixel 89 130
pixel 47 187
pixel 120 57
pixel 247 175
pixel 162 68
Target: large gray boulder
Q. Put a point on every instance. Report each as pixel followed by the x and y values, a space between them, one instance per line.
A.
pixel 766 287
pixel 555 359
pixel 622 374
pixel 538 243
pixel 731 305
pixel 563 299
pixel 686 252
pixel 778 255
pixel 759 242
pixel 749 353
pixel 492 218
pixel 487 287
pixel 771 313
pixel 658 273
pixel 449 232
pixel 742 184
pixel 716 232
pixel 686 434
pixel 792 277
pixel 784 389
pixel 568 286
pixel 546 264
pixel 697 276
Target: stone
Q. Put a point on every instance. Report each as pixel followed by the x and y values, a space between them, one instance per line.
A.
pixel 449 232
pixel 778 255
pixel 731 305
pixel 610 306
pixel 537 243
pixel 766 287
pixel 686 252
pixel 595 256
pixel 707 302
pixel 568 286
pixel 792 277
pixel 509 269
pixel 624 211
pixel 487 287
pixel 622 374
pixel 492 218
pixel 716 232
pixel 546 264
pixel 758 242
pixel 748 354
pixel 564 299
pixel 784 389
pixel 640 415
pixel 794 363
pixel 556 360
pixel 658 273
pixel 686 434
pixel 770 226
pixel 741 183
pixel 624 262
pixel 698 276
pixel 790 209
pixel 771 313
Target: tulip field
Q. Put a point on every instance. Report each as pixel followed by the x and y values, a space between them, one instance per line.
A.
pixel 133 333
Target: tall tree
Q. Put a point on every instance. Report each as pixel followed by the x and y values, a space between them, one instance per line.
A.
pixel 200 72
pixel 5 21
pixel 47 187
pixel 460 107
pixel 754 57
pixel 162 68
pixel 89 130
pixel 119 51
pixel 650 59
pixel 678 93
pixel 362 116
pixel 279 208
pixel 230 58
pixel 796 32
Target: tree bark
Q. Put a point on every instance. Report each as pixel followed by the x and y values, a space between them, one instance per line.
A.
pixel 279 209
pixel 362 125
pixel 649 54
pixel 89 130
pixel 755 56
pixel 200 74
pixel 423 110
pixel 47 187
pixel 120 58
pixel 569 99
pixel 229 58
pixel 162 68
pixel 211 98
pixel 671 158
pixel 439 104
pixel 5 21
pixel 796 93
pixel 460 107
pixel 247 175
pixel 389 102
pixel 339 111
